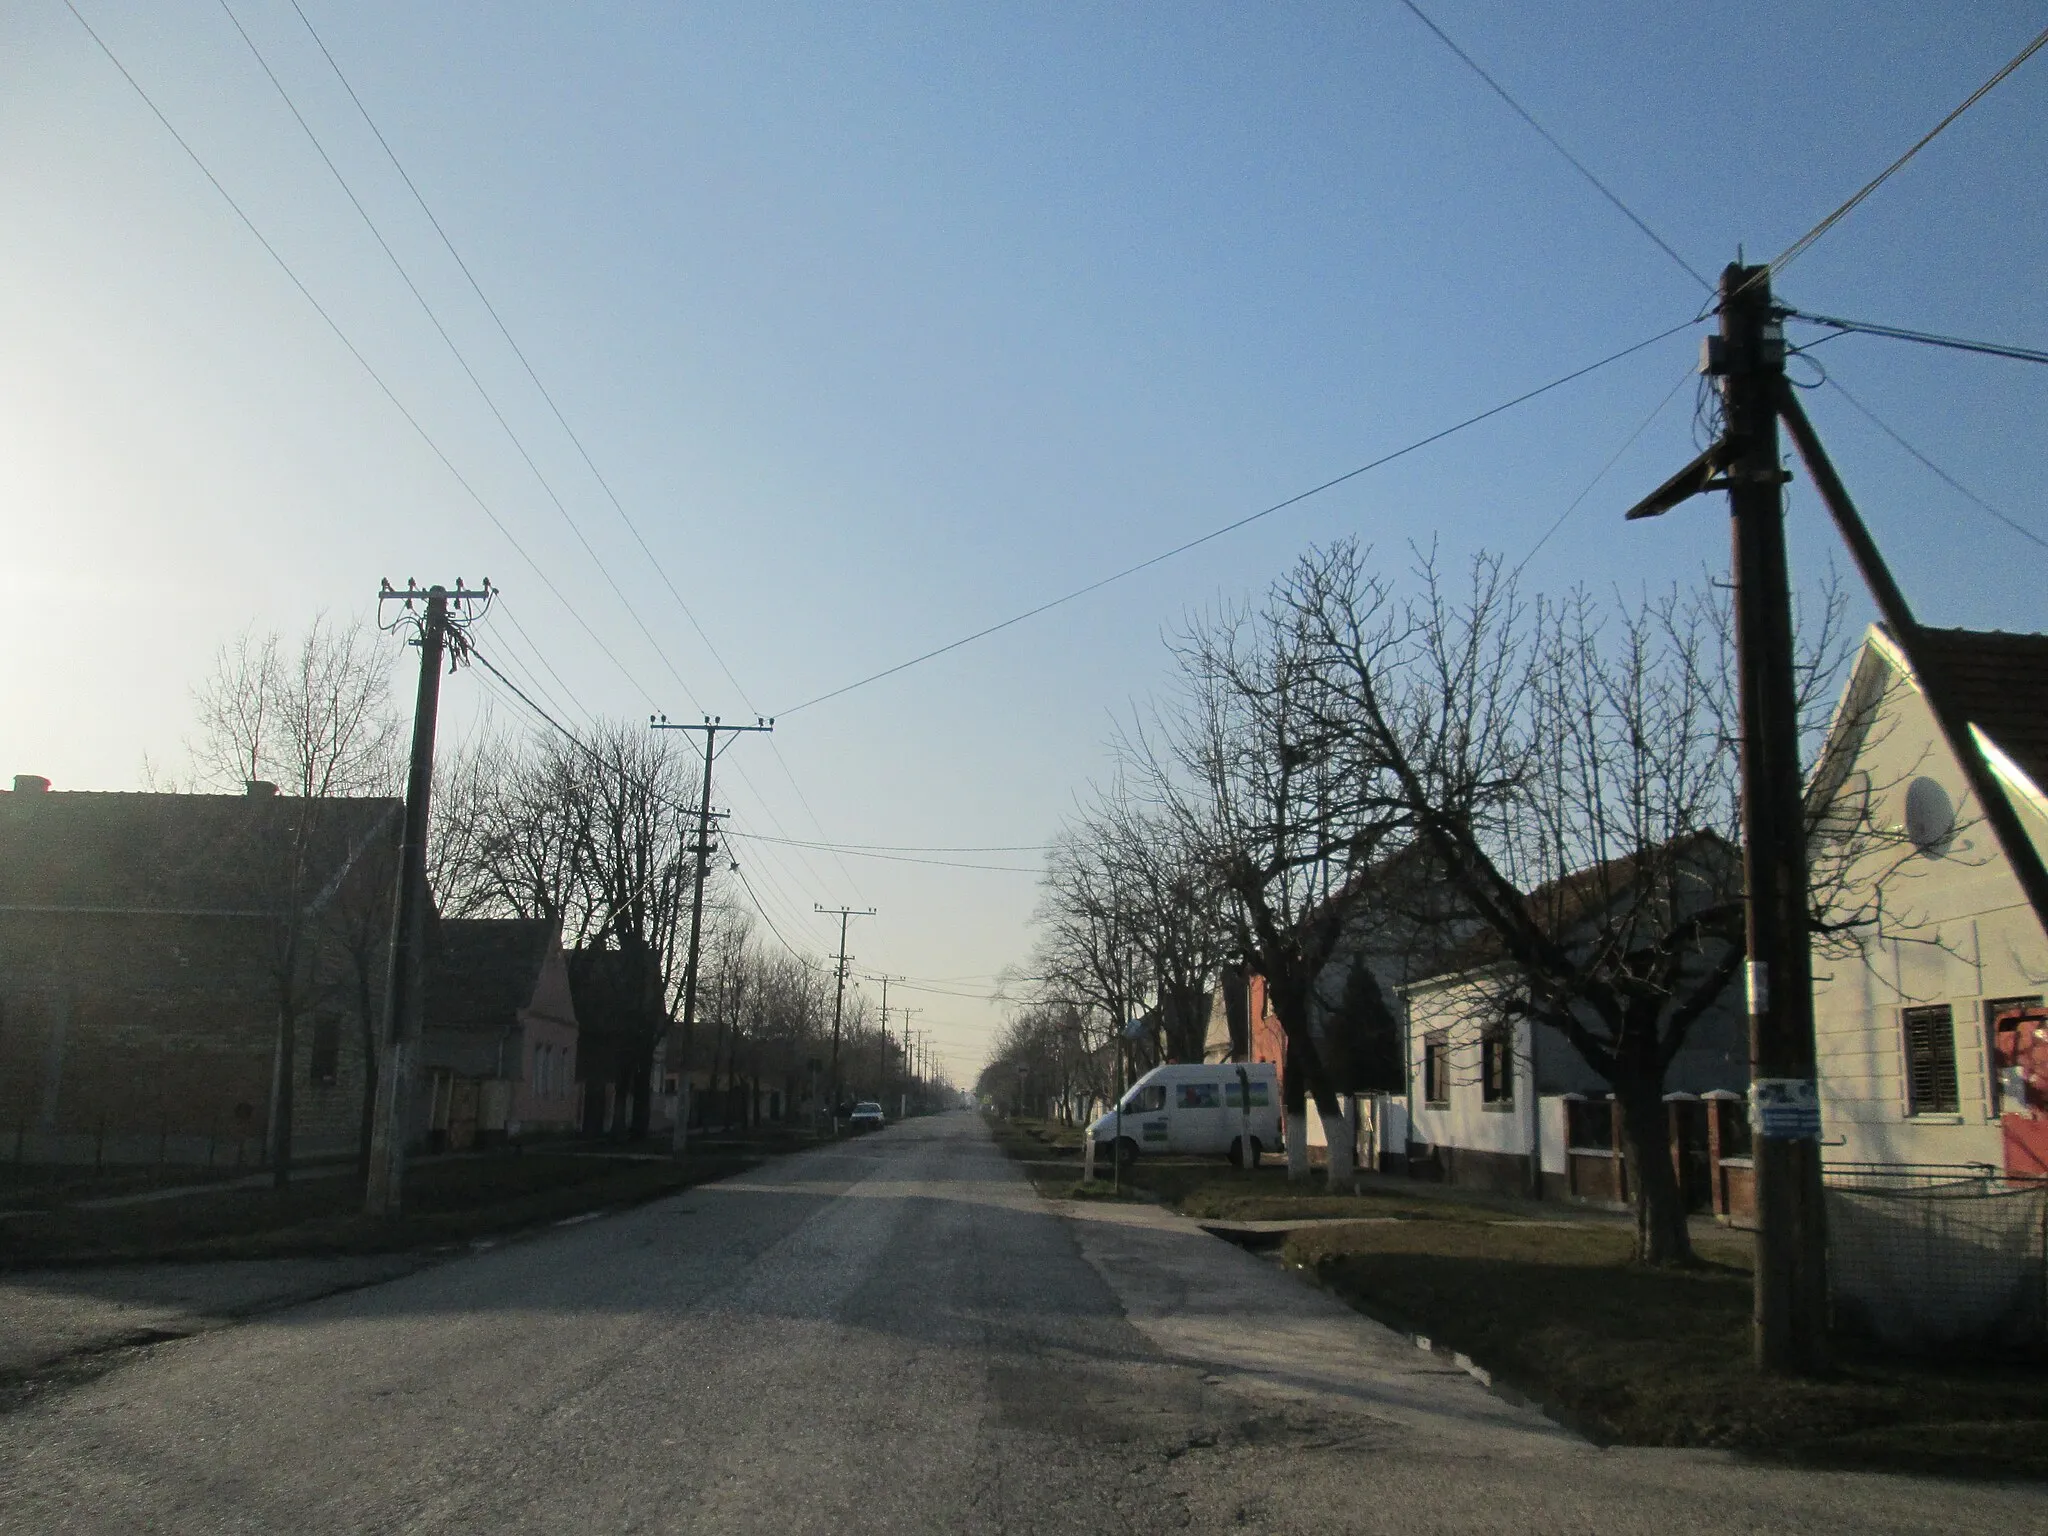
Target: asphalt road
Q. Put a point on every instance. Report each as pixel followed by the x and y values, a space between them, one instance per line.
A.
pixel 890 1335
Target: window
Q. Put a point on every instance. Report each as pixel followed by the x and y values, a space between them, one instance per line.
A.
pixel 2008 1091
pixel 325 1068
pixel 1589 1125
pixel 1200 1096
pixel 1930 1039
pixel 1143 1101
pixel 1497 1066
pixel 1233 1096
pixel 1994 1006
pixel 1436 1069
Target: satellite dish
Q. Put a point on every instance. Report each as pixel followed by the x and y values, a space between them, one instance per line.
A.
pixel 1930 817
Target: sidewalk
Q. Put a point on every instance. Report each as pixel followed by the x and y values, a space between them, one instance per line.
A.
pixel 1254 1329
pixel 51 1315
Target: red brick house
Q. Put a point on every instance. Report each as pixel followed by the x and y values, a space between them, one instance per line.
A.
pixel 148 945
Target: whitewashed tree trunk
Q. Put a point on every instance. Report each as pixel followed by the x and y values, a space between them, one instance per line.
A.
pixel 1340 1132
pixel 1297 1148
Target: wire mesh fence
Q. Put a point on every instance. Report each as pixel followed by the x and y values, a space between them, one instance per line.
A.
pixel 1939 1257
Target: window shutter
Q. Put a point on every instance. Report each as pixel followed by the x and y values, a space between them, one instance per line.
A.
pixel 1930 1061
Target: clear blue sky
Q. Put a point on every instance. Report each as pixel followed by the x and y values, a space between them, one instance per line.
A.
pixel 887 320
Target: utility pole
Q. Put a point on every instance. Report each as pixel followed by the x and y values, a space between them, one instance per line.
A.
pixel 844 914
pixel 1748 357
pixel 711 726
pixel 910 1052
pixel 886 1042
pixel 438 630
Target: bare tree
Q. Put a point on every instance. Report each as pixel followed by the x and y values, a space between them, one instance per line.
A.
pixel 1175 905
pixel 1255 774
pixel 1091 954
pixel 314 720
pixel 1569 770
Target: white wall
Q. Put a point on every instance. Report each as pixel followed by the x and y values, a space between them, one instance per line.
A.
pixel 1461 1010
pixel 1968 936
pixel 1551 1117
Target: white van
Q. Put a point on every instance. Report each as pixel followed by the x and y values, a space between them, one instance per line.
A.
pixel 1231 1108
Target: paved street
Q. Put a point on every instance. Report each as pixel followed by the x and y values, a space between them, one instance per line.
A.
pixel 891 1335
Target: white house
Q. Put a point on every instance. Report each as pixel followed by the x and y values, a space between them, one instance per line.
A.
pixel 1938 936
pixel 1506 1104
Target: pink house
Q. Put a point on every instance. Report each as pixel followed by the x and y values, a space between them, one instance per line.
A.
pixel 497 1056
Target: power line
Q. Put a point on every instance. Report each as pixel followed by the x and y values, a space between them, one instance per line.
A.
pixel 748 886
pixel 1683 379
pixel 575 439
pixel 914 847
pixel 904 858
pixel 571 737
pixel 1552 140
pixel 1925 338
pixel 517 351
pixel 1798 247
pixel 1245 521
pixel 455 351
pixel 1943 475
pixel 342 336
pixel 483 392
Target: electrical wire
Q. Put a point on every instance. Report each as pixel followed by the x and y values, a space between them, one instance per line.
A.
pixel 1613 460
pixel 1552 140
pixel 904 858
pixel 1242 522
pixel 461 359
pixel 1941 474
pixel 342 336
pixel 517 351
pixel 576 440
pixel 1798 247
pixel 919 847
pixel 1925 338
pixel 503 679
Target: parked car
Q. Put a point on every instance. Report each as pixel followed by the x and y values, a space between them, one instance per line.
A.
pixel 867 1117
pixel 1202 1109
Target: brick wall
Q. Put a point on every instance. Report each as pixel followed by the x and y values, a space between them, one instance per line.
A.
pixel 158 1034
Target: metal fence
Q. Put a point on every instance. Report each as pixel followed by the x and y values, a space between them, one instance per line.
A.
pixel 1930 1257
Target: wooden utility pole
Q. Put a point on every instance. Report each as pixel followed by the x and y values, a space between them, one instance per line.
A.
pixel 438 632
pixel 711 726
pixel 1748 357
pixel 844 914
pixel 1935 686
pixel 910 1056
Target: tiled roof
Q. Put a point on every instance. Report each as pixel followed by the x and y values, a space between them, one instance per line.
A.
pixel 2000 682
pixel 1584 896
pixel 482 971
pixel 176 852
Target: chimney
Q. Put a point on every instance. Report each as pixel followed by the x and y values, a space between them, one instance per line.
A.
pixel 31 784
pixel 260 789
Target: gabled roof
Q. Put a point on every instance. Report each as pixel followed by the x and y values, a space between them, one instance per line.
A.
pixel 1563 904
pixel 222 854
pixel 2000 683
pixel 482 971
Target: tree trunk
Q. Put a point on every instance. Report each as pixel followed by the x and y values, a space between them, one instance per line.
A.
pixel 639 1085
pixel 281 1097
pixel 1662 1236
pixel 1294 1097
pixel 1340 1134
